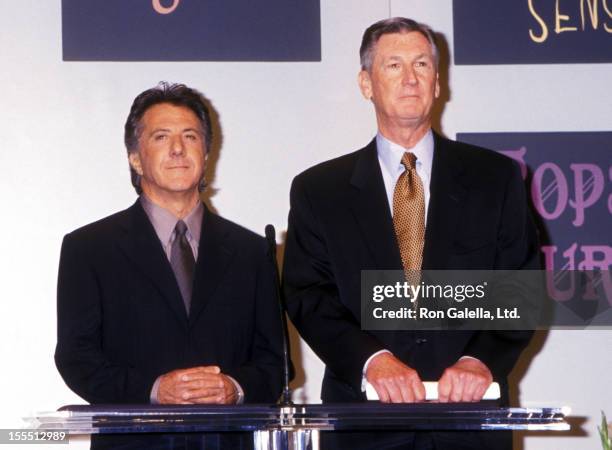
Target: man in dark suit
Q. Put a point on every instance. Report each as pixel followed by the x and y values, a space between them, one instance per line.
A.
pixel 166 302
pixel 409 200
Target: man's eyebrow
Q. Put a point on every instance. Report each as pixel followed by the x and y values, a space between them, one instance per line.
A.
pixel 423 55
pixel 167 130
pixel 196 130
pixel 157 130
pixel 390 58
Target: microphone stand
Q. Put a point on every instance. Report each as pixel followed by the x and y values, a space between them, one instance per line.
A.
pixel 285 399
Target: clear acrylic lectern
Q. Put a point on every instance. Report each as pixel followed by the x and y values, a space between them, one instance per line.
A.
pixel 297 427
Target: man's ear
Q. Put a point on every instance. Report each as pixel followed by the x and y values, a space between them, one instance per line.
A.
pixel 365 84
pixel 437 88
pixel 135 163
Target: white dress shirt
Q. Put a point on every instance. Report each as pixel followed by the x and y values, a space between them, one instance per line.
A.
pixel 390 159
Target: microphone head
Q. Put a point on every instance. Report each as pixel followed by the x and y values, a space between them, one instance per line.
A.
pixel 270 233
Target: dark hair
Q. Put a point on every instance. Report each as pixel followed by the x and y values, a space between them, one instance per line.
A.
pixel 393 25
pixel 175 94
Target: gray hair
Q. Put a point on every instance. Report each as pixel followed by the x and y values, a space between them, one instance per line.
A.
pixel 388 26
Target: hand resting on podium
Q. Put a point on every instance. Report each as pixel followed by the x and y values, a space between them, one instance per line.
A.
pixel 391 381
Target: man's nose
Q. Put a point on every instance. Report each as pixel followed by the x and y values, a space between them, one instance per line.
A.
pixel 409 75
pixel 177 146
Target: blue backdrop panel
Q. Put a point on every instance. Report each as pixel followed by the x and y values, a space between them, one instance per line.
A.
pixel 532 31
pixel 569 183
pixel 191 30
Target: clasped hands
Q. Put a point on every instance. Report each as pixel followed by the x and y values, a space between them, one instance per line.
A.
pixel 465 381
pixel 205 384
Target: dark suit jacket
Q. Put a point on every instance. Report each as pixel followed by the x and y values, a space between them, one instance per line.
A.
pixel 121 319
pixel 340 223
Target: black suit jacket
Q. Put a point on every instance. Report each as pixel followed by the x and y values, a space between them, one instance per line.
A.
pixel 340 223
pixel 121 319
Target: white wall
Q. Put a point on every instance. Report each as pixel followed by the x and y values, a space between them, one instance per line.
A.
pixel 62 165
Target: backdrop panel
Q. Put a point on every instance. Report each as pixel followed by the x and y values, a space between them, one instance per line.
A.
pixel 191 30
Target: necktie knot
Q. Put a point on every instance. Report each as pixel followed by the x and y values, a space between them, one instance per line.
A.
pixel 409 160
pixel 180 229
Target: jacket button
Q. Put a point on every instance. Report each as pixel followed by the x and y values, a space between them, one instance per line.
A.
pixel 421 341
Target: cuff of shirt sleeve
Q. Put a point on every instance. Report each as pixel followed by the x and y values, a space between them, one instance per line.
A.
pixel 365 368
pixel 154 391
pixel 239 390
pixel 468 357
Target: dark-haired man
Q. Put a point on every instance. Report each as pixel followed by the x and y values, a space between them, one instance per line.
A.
pixel 409 200
pixel 166 302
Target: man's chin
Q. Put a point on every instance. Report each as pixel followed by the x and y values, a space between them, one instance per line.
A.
pixel 177 187
pixel 411 118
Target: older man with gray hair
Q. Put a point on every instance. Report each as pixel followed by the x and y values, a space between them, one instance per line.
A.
pixel 410 200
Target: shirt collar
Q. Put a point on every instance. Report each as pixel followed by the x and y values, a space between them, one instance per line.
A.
pixel 391 153
pixel 164 221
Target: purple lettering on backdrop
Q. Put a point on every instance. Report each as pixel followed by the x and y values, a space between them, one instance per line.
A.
pixel 593 183
pixel 519 156
pixel 571 194
pixel 601 279
pixel 540 194
pixel 595 257
pixel 590 262
pixel 610 196
pixel 570 256
pixel 552 282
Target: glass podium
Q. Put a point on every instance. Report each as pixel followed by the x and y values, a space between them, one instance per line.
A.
pixel 297 427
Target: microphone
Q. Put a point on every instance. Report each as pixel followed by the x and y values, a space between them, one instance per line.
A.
pixel 285 399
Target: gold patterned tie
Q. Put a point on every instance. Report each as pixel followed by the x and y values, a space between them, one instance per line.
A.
pixel 409 216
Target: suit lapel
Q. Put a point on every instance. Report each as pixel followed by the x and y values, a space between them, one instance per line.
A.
pixel 141 245
pixel 448 189
pixel 214 255
pixel 370 208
